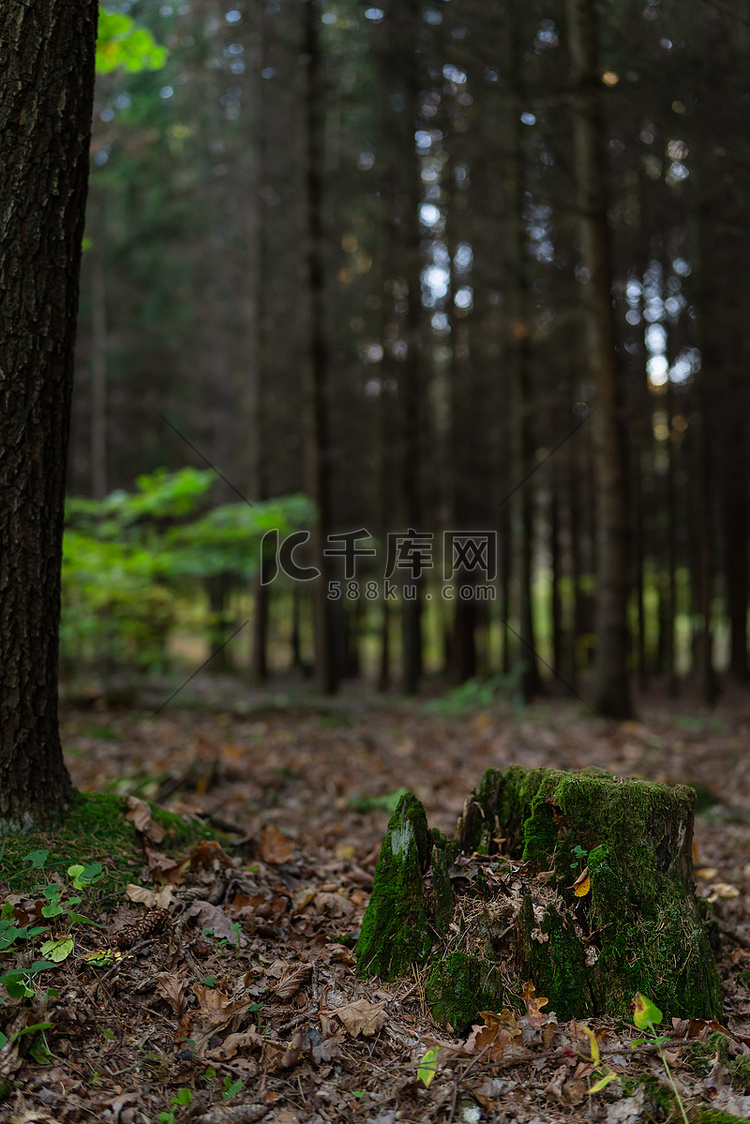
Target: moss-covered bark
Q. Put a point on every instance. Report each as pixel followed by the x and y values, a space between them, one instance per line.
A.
pixel 396 932
pixel 581 883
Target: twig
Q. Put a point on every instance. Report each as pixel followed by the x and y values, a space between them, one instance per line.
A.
pixel 459 1079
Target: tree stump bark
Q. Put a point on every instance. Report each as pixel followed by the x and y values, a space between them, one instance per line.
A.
pixel 579 883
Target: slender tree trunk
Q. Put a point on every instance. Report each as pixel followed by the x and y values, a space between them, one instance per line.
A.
pixel 319 449
pixel 98 375
pixel 255 320
pixel 611 683
pixel 556 606
pixel 736 515
pixel 639 565
pixel 518 373
pixel 411 375
pixel 46 97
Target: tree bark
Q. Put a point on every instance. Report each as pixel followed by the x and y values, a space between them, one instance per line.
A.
pixel 46 98
pixel 611 685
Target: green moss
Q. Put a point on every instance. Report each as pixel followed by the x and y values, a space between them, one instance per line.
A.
pixel 94 829
pixel 554 960
pixel 395 929
pixel 459 986
pixel 739 1073
pixel 443 854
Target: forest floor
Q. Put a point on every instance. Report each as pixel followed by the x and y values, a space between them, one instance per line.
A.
pixel 189 1027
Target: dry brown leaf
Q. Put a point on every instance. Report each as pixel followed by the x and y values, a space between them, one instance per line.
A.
pixel 161 868
pixel 695 1027
pixel 210 855
pixel 154 899
pixel 534 1004
pixel 304 896
pixel 211 1000
pixel 210 916
pixel 274 847
pixel 574 1091
pixel 232 1044
pixel 328 1050
pixel 360 1017
pixel 497 1033
pixel 173 988
pixel 141 817
pixel 334 905
pixel 292 979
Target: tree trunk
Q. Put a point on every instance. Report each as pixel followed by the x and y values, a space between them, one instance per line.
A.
pixel 611 684
pixel 518 367
pixel 46 97
pixel 319 451
pixel 736 515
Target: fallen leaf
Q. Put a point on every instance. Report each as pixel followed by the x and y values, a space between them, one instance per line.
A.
pixel 303 897
pixel 154 899
pixel 722 890
pixel 292 979
pixel 141 817
pixel 360 1017
pixel 274 847
pixel 582 884
pixel 173 988
pixel 232 1044
pixel 334 905
pixel 161 868
pixel 497 1034
pixel 210 855
pixel 534 1005
pixel 210 916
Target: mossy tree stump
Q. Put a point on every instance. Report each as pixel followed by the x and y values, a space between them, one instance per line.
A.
pixel 581 883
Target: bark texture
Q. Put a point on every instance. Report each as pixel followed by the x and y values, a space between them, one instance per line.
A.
pixel 47 62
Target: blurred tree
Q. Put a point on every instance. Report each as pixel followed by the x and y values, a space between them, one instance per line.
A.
pixel 611 683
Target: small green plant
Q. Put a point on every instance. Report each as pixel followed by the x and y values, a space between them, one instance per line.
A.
pixel 646 1016
pixel 231 1088
pixel 18 930
pixel 477 694
pixel 579 856
pixel 183 1098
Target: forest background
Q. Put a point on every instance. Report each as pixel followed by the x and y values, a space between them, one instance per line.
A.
pixel 334 251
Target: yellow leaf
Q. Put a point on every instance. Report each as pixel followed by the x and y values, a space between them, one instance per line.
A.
pixel 102 958
pixel 594 1044
pixel 598 1085
pixel 645 1013
pixel 428 1066
pixel 582 884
